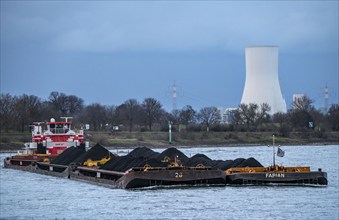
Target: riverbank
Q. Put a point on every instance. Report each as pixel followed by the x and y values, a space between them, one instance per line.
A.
pixel 15 141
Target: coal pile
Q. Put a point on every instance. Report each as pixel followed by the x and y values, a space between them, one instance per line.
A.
pixel 223 164
pixel 250 162
pixel 199 159
pixel 117 163
pixel 127 162
pixel 172 153
pixel 237 162
pixel 139 162
pixel 68 156
pixel 201 156
pixel 140 157
pixel 95 153
pixel 143 152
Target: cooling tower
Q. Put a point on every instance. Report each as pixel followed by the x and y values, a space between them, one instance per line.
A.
pixel 262 80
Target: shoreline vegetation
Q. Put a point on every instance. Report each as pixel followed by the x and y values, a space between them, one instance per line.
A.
pixel 14 141
pixel 134 124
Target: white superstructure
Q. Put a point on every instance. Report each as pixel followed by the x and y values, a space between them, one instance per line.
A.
pixel 262 80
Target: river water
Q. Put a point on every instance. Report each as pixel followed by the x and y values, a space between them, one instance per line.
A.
pixel 26 195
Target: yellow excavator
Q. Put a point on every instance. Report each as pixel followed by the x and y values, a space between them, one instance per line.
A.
pixel 96 163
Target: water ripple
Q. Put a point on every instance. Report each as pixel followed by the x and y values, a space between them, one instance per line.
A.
pixel 32 196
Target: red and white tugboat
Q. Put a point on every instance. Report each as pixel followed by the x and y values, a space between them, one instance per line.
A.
pixel 49 139
pixel 54 137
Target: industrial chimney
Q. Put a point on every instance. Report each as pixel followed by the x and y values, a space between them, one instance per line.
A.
pixel 262 81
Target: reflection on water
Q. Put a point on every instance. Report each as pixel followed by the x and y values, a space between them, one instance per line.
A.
pixel 32 196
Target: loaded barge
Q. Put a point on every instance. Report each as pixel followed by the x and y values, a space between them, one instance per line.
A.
pixel 136 177
pixel 98 166
pixel 159 176
pixel 276 175
pixel 173 174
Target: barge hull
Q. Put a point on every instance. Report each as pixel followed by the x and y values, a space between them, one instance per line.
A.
pixel 316 178
pixel 40 168
pixel 165 177
pixel 140 177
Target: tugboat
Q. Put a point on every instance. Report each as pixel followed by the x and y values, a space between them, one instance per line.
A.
pixel 56 138
pixel 49 139
pixel 276 174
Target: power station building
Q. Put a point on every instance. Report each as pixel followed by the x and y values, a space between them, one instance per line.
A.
pixel 262 79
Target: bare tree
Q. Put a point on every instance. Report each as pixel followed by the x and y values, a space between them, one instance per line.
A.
pixel 74 104
pixel 280 118
pixel 301 114
pixel 59 102
pixel 95 115
pixel 66 105
pixel 7 111
pixel 252 114
pixel 27 108
pixel 112 116
pixel 263 115
pixel 303 103
pixel 152 109
pixel 175 116
pixel 209 116
pixel 187 115
pixel 333 117
pixel 246 114
pixel 129 112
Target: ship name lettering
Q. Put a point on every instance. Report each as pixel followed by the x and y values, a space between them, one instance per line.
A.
pixel 275 175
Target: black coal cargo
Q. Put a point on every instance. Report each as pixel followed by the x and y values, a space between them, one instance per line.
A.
pixel 97 152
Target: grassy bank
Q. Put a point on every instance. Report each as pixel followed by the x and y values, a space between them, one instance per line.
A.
pixel 14 141
pixel 160 139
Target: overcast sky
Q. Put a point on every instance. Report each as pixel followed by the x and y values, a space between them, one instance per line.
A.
pixel 110 51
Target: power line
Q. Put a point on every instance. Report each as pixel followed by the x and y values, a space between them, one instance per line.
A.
pixel 174 96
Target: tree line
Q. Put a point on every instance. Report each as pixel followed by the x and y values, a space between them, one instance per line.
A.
pixel 19 112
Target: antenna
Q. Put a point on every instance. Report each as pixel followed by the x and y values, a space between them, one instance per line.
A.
pixel 174 90
pixel 326 96
pixel 273 151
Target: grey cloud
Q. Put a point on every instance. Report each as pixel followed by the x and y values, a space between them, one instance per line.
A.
pixel 177 26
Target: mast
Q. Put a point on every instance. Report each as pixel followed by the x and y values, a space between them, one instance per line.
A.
pixel 273 152
pixel 174 90
pixel 170 132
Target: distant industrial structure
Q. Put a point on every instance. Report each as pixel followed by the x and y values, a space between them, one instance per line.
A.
pixel 227 115
pixel 262 79
pixel 297 96
pixel 326 97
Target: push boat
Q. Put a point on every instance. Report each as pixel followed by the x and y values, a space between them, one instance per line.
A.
pixel 54 137
pixel 49 139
